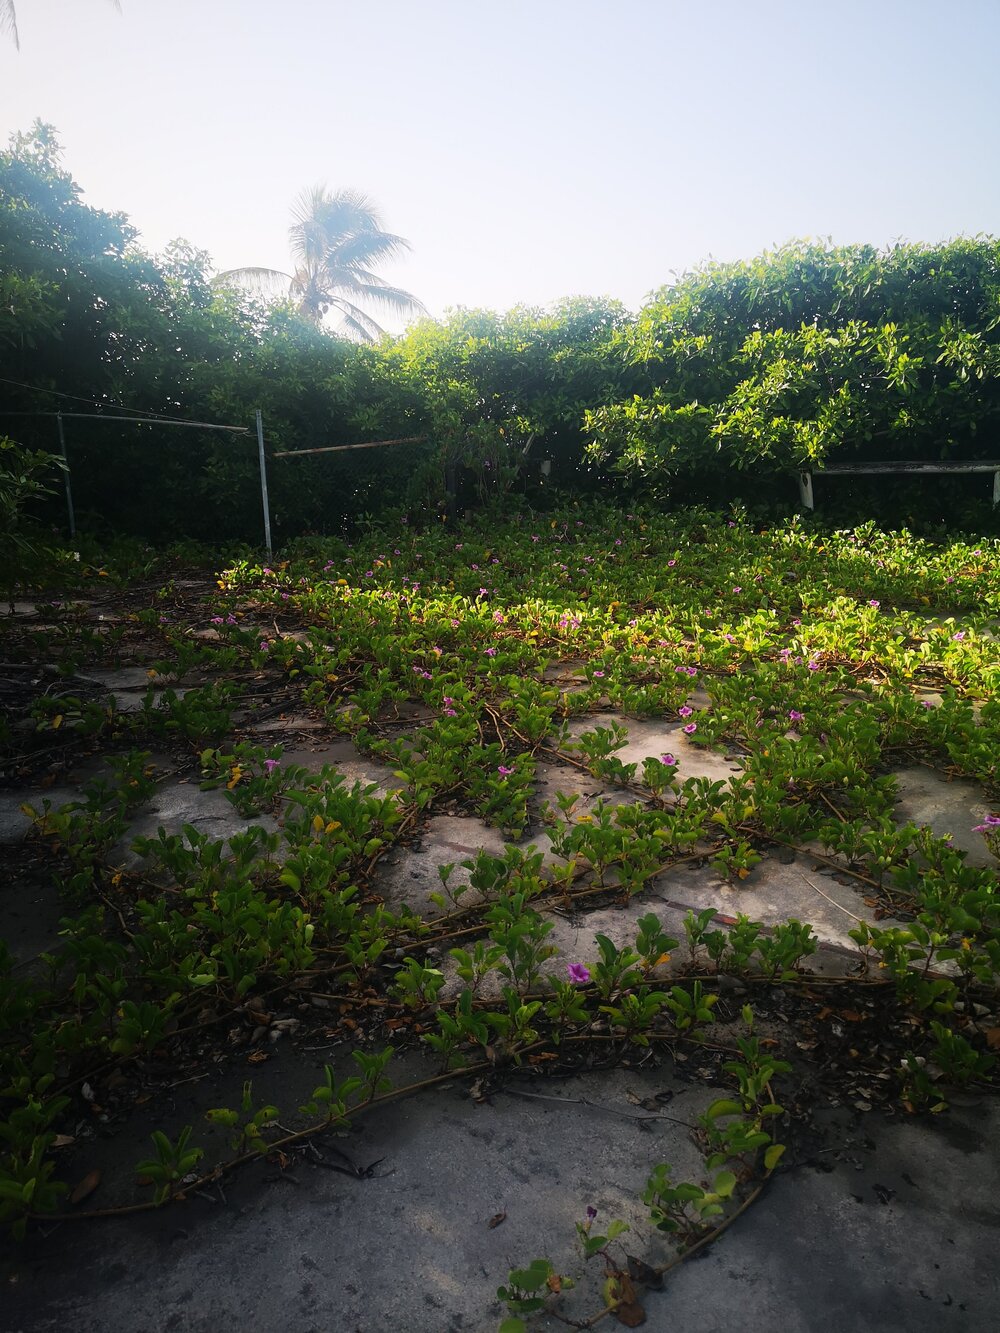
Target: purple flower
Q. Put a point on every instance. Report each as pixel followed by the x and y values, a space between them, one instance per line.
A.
pixel 579 975
pixel 490 652
pixel 957 638
pixel 795 715
pixel 668 759
pixel 813 666
pixel 504 772
pixel 737 588
pixel 926 703
pixel 990 825
pixel 598 673
pixel 684 711
pixel 873 603
pixel 671 563
pixel 591 1213
pixel 690 729
pixel 271 764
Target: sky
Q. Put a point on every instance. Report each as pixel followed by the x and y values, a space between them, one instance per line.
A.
pixel 529 150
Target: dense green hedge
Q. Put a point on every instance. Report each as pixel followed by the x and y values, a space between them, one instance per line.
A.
pixel 721 385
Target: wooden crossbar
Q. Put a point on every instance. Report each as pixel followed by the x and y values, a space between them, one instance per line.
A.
pixel 340 448
pixel 902 469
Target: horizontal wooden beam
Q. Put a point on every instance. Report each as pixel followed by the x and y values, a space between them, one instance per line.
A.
pixel 340 448
pixel 845 469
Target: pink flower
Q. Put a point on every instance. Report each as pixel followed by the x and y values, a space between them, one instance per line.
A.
pixel 795 715
pixel 690 729
pixel 598 673
pixel 684 711
pixel 271 764
pixel 671 563
pixel 490 652
pixel 668 759
pixel 577 973
pixel 504 772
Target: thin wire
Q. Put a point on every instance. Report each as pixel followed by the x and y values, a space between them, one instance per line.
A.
pixel 94 402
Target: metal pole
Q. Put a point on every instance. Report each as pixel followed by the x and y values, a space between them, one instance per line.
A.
pixel 69 489
pixel 263 482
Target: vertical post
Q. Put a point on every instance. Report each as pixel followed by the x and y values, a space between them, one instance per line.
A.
pixel 66 482
pixel 996 490
pixel 450 490
pixel 263 482
pixel 806 490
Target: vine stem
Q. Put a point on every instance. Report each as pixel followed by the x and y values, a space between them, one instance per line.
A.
pixel 678 1259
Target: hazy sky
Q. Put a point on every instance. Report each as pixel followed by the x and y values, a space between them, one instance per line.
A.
pixel 528 149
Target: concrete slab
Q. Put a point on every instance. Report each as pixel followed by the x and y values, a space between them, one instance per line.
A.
pixel 774 893
pixel 648 739
pixel 178 803
pixel 14 823
pixel 948 807
pixel 890 1226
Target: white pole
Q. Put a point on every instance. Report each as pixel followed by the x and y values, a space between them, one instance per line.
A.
pixel 263 482
pixel 806 490
pixel 69 489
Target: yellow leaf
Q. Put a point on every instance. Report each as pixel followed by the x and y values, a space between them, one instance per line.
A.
pixel 57 721
pixel 318 823
pixel 743 872
pixel 333 825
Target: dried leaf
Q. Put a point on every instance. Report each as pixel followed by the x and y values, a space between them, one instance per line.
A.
pixel 639 1271
pixel 63 1140
pixel 496 1219
pixel 86 1186
pixel 258 1057
pixel 993 1039
pixel 630 1313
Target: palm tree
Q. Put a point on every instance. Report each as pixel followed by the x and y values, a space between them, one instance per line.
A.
pixel 336 242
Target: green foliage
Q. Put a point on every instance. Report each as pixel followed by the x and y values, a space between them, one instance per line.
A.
pixel 807 354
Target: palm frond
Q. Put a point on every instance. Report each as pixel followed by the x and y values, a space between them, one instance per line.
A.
pixel 355 324
pixel 270 283
pixel 8 20
pixel 364 286
pixel 364 247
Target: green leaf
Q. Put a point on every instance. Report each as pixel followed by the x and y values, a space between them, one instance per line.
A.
pixel 724 1184
pixel 512 1325
pixel 724 1106
pixel 773 1156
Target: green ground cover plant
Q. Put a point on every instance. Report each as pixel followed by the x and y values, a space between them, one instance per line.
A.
pixel 464 659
